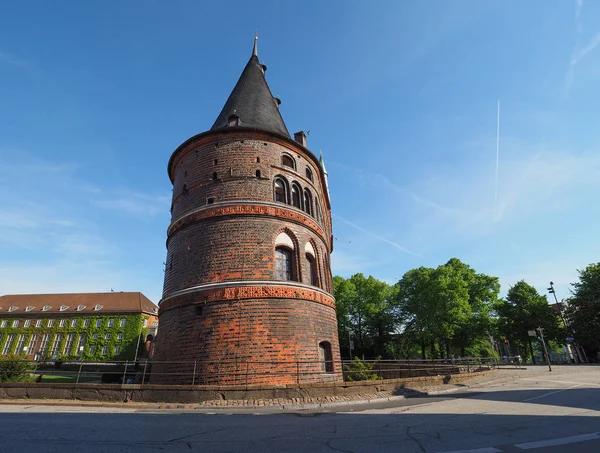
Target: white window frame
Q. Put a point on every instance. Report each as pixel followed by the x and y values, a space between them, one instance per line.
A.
pixel 20 343
pixel 10 339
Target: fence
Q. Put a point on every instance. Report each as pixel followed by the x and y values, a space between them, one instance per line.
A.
pixel 236 372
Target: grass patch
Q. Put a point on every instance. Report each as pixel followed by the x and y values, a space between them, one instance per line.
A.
pixel 58 379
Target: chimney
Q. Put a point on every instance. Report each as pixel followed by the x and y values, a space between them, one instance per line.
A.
pixel 300 137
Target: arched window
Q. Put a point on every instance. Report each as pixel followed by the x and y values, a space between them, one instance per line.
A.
pixel 325 357
pixel 288 161
pixel 296 196
pixel 309 175
pixel 284 264
pixel 312 269
pixel 280 191
pixel 308 206
pixel 317 212
pixel 313 272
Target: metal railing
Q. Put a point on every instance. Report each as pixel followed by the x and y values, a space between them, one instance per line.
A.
pixel 236 372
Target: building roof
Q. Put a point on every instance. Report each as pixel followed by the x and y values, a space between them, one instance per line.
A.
pixel 252 102
pixel 78 303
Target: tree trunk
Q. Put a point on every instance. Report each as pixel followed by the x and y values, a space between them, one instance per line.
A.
pixel 423 347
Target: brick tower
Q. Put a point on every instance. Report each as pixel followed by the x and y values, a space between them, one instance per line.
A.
pixel 247 295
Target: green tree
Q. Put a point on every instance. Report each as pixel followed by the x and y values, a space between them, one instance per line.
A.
pixel 416 306
pixel 449 305
pixel 583 310
pixel 522 310
pixel 366 312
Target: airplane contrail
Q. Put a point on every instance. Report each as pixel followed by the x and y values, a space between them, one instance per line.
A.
pixel 497 159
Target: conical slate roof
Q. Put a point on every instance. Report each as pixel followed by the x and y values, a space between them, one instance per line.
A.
pixel 251 101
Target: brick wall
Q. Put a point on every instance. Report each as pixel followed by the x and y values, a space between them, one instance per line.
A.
pixel 223 230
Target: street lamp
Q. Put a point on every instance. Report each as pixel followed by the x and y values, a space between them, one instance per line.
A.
pixel 552 291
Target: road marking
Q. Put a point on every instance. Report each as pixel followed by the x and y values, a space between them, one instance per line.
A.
pixel 551 393
pixel 561 382
pixel 477 450
pixel 561 441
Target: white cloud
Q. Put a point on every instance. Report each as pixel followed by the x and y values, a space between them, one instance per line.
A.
pixel 50 239
pixel 12 60
pixel 59 277
pixel 376 236
pixel 348 263
pixel 137 204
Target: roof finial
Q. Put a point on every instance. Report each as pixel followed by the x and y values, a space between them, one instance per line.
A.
pixel 255 50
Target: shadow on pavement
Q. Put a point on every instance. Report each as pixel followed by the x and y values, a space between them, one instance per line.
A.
pixel 396 432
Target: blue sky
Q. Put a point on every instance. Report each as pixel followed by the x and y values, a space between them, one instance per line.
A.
pixel 401 97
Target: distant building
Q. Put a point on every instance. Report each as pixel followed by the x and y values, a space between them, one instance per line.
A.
pixel 87 326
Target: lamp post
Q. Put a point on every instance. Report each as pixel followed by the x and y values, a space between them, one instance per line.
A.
pixel 552 291
pixel 541 331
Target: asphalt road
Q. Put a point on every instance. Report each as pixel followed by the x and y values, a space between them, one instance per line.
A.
pixel 540 413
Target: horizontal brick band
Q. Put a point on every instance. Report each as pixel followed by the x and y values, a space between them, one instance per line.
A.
pixel 246 292
pixel 247 209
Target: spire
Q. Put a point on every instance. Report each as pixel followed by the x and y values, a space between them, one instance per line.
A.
pixel 322 162
pixel 251 103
